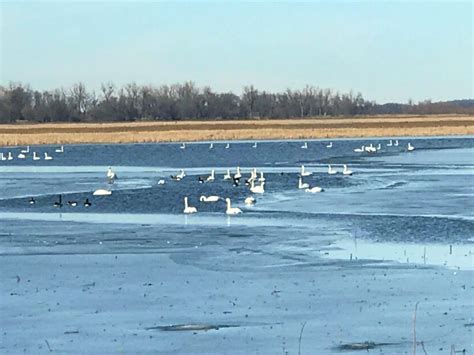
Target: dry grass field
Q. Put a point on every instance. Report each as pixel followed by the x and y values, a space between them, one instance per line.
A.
pixel 151 131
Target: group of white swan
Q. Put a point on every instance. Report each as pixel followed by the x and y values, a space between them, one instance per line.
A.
pixel 25 152
pixel 211 145
pixel 372 149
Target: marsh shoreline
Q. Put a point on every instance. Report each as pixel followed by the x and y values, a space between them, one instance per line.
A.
pixel 177 131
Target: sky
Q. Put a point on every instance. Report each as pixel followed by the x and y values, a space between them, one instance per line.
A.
pixel 389 51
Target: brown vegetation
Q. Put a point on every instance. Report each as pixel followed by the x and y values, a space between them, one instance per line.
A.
pixel 136 132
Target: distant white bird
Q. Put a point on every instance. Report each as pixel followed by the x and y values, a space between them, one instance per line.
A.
pixel 211 177
pixel 231 210
pixel 396 143
pixel 370 148
pixel 346 171
pixel 35 156
pixel 329 145
pixel 102 192
pixel 237 175
pixel 227 146
pixel 360 150
pixel 331 171
pixel 261 178
pixel 183 145
pixel 390 143
pixel 47 157
pixel 254 145
pixel 209 198
pixel 188 209
pixel 2 157
pixel 60 150
pixel 161 182
pixel 303 172
pixel 10 156
pixel 227 176
pixel 257 189
pixel 21 156
pixel 410 147
pixel 302 185
pixel 314 189
pixel 379 146
pixel 253 175
pixel 27 150
pixel 250 200
pixel 111 176
pixel 305 145
pixel 181 174
pixel 211 146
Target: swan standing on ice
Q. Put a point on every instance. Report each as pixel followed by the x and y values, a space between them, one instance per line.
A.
pixel 302 185
pixel 249 201
pixel 227 176
pixel 360 150
pixel 305 145
pixel 257 189
pixel 331 171
pixel 231 210
pixel 303 172
pixel 183 145
pixel 47 157
pixel 346 171
pixel 329 145
pixel 111 176
pixel 35 156
pixel 410 147
pixel 60 150
pixel 211 177
pixel 188 209
pixel 209 198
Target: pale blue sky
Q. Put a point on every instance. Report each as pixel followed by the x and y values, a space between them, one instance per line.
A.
pixel 389 51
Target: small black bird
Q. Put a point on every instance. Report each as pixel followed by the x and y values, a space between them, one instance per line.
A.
pixel 87 203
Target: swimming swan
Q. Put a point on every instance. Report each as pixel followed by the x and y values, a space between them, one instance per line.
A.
pixel 21 156
pixel 27 150
pixel 314 189
pixel 254 145
pixel 47 157
pixel 346 171
pixel 60 150
pixel 2 157
pixel 261 178
pixel 183 146
pixel 10 156
pixel 209 198
pixel 181 174
pixel 111 176
pixel 305 145
pixel 302 185
pixel 396 143
pixel 35 156
pixel 390 143
pixel 329 145
pixel 187 208
pixel 231 210
pixel 360 150
pixel 211 177
pixel 331 171
pixel 102 192
pixel 410 147
pixel 227 175
pixel 237 175
pixel 257 189
pixel 249 201
pixel 303 172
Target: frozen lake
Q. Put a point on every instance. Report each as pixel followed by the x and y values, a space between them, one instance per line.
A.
pixel 349 263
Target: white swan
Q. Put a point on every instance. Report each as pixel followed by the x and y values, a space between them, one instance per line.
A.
pixel 396 143
pixel 261 178
pixel 60 150
pixel 250 201
pixel 21 156
pixel 302 185
pixel 254 145
pixel 211 146
pixel 47 157
pixel 253 175
pixel 183 145
pixel 2 157
pixel 314 189
pixel 360 150
pixel 305 145
pixel 102 192
pixel 346 171
pixel 410 147
pixel 35 156
pixel 161 182
pixel 257 189
pixel 211 177
pixel 303 172
pixel 237 175
pixel 329 145
pixel 188 209
pixel 27 150
pixel 370 148
pixel 231 210
pixel 10 156
pixel 379 147
pixel 390 143
pixel 110 174
pixel 227 146
pixel 227 175
pixel 331 171
pixel 181 174
pixel 209 198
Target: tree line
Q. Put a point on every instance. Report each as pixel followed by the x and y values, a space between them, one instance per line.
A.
pixel 18 102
